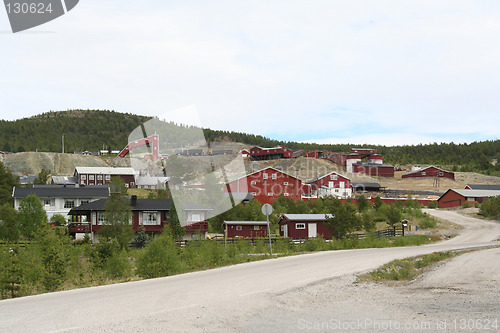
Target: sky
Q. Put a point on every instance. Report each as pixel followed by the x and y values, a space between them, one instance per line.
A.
pixel 375 72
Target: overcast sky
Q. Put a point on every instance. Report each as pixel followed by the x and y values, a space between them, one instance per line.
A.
pixel 380 72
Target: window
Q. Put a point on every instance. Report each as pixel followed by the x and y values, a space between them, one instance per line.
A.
pixel 256 227
pixel 333 177
pixel 441 174
pixel 300 226
pixel 264 175
pixel 253 182
pixel 254 193
pixel 46 202
pixel 100 218
pixel 239 228
pixel 196 217
pixel 99 177
pixel 69 203
pixel 84 201
pixel 84 177
pixel 91 177
pixel 286 194
pixel 274 176
pixel 149 218
pixel 423 173
pixel 285 183
pixel 107 177
pixel 270 194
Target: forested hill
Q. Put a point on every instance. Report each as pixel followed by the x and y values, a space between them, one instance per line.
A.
pixel 82 129
pixel 93 129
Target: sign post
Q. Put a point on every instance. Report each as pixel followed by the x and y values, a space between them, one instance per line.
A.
pixel 267 209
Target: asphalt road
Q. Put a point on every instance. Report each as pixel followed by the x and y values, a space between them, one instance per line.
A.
pixel 213 300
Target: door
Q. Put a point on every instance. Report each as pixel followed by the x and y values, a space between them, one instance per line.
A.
pixel 285 230
pixel 312 230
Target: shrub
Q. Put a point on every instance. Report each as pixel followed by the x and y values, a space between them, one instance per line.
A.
pixel 433 205
pixel 466 204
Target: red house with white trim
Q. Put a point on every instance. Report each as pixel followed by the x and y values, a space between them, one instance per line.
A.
pixel 332 183
pixel 430 171
pixel 267 184
pixel 304 225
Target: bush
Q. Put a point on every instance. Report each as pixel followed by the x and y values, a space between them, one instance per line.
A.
pixel 466 204
pixel 491 208
pixel 428 223
pixel 160 257
pixel 433 205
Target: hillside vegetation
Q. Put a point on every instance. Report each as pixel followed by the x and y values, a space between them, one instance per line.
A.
pixel 93 129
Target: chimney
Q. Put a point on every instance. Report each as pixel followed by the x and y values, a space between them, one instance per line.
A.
pixel 133 200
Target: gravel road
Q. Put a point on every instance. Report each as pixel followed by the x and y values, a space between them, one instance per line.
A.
pixel 313 292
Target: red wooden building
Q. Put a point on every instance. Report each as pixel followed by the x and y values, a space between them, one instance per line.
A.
pixel 456 197
pixel 267 184
pixel 304 225
pixel 430 171
pixel 259 153
pixel 333 184
pixel 153 214
pixel 234 229
pixel 102 175
pixel 374 170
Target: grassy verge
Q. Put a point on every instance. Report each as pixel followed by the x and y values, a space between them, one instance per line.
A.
pixel 406 269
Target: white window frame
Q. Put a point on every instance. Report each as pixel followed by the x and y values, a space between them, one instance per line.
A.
pixel 100 218
pixel 91 177
pixel 441 173
pixel 239 228
pixel 333 177
pixel 300 226
pixel 286 194
pixel 270 194
pixel 150 218
pixel 253 182
pixel 198 215
pixel 47 202
pixel 274 176
pixel 83 177
pixel 285 183
pixel 99 177
pixel 84 201
pixel 107 177
pixel 67 203
pixel 265 175
pixel 254 193
pixel 256 227
pixel 423 173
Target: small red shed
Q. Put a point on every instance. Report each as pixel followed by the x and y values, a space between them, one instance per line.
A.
pixel 304 225
pixel 234 229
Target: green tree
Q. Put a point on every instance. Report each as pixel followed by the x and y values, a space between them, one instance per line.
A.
pixel 362 202
pixel 9 229
pixel 393 214
pixel 377 203
pixel 173 220
pixel 32 217
pixel 141 238
pixel 7 183
pixel 43 178
pixel 344 220
pixel 58 220
pixel 118 215
pixel 160 257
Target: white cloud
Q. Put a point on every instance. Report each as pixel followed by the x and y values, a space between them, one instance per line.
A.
pixel 291 70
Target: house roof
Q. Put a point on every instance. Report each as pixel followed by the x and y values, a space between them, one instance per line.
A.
pixel 105 171
pixel 245 222
pixel 366 185
pixel 24 180
pixel 423 169
pixel 62 191
pixel 493 187
pixel 305 217
pixel 230 181
pixel 140 205
pixel 63 180
pixel 241 195
pixel 328 174
pixel 374 164
pixel 473 193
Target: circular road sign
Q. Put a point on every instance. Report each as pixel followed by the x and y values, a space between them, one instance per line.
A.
pixel 267 209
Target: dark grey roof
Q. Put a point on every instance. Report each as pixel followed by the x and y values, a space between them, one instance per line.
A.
pixel 241 196
pixel 24 180
pixel 245 222
pixel 373 164
pixel 140 205
pixel 62 191
pixel 483 187
pixel 366 185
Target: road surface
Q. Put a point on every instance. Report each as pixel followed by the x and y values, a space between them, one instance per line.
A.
pixel 227 299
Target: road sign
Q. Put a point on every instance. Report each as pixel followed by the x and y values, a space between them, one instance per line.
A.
pixel 267 209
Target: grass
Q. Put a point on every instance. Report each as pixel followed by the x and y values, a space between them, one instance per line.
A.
pixel 406 269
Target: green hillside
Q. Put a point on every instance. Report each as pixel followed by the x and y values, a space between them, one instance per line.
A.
pixel 93 129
